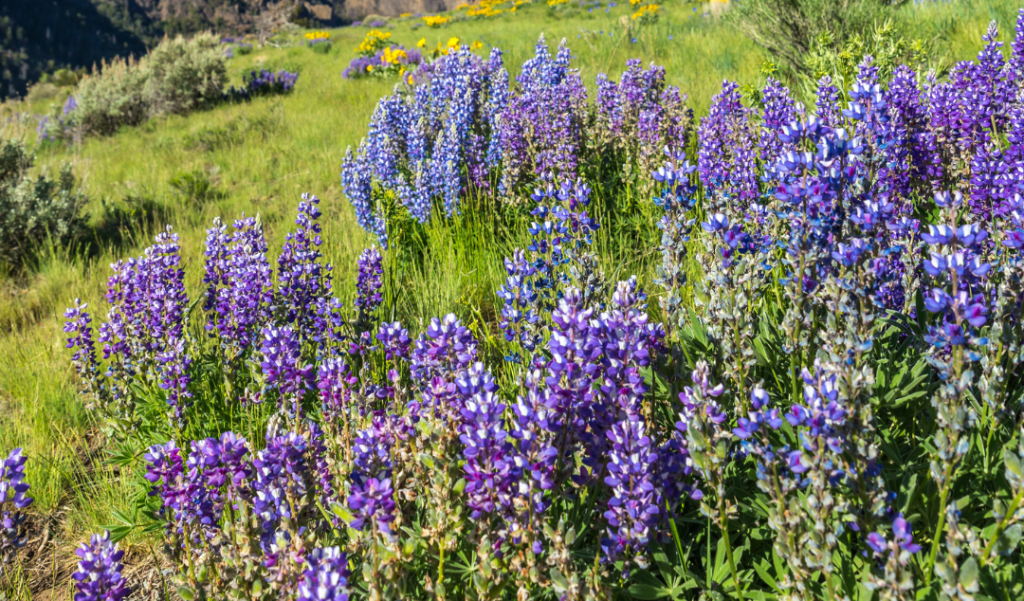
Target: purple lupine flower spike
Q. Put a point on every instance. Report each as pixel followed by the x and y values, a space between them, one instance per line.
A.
pixel 99 571
pixel 326 577
pixel 13 498
pixel 369 282
pixel 634 507
pixel 282 366
pixel 78 325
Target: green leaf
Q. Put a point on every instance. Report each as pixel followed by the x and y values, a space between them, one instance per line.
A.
pixel 118 533
pixel 969 575
pixel 762 570
pixel 186 593
pixel 646 591
pixel 558 579
pixel 1013 464
pixel 339 510
pixel 1008 540
pixel 120 516
pixel 121 456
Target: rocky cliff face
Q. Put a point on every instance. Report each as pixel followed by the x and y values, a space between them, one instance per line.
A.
pixel 357 9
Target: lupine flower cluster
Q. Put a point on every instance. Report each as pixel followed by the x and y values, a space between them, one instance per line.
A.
pixel 639 116
pixel 390 60
pixel 62 125
pixel 542 129
pixel 13 499
pixel 423 144
pixel 99 571
pixel 144 336
pixel 263 83
pixel 248 518
pixel 461 128
pixel 826 209
pixel 833 401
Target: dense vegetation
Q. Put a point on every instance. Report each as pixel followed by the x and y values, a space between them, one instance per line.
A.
pixel 509 433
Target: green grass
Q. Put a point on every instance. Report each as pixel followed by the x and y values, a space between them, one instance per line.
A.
pixel 263 154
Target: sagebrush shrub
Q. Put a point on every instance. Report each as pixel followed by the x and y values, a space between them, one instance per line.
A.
pixel 177 77
pixel 185 75
pixel 790 29
pixel 32 209
pixel 112 97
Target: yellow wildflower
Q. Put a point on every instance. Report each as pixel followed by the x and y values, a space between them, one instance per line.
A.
pixel 646 11
pixel 422 43
pixel 374 41
pixel 477 45
pixel 435 20
pixel 453 43
pixel 393 55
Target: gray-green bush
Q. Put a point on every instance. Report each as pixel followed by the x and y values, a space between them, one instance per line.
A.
pixel 791 29
pixel 185 75
pixel 34 209
pixel 112 97
pixel 177 77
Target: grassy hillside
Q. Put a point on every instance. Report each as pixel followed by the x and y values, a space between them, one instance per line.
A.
pixel 259 156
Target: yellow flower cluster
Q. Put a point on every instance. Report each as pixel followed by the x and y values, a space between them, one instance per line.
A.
pixel 392 55
pixel 453 45
pixel 436 20
pixel 647 11
pixel 556 2
pixel 405 15
pixel 318 35
pixel 485 8
pixel 374 41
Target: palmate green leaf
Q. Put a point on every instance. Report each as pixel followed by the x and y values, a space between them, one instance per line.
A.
pixel 648 587
pixel 720 573
pixel 761 567
pixel 121 455
pixel 907 385
pixel 123 518
pixel 118 533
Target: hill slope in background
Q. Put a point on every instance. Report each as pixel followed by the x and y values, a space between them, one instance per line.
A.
pixel 39 36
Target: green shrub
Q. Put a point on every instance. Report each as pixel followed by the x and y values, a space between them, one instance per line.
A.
pixel 791 29
pixel 177 77
pixel 185 75
pixel 322 47
pixel 32 210
pixel 197 186
pixel 111 97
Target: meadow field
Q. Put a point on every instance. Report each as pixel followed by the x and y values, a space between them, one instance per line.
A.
pixel 258 157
